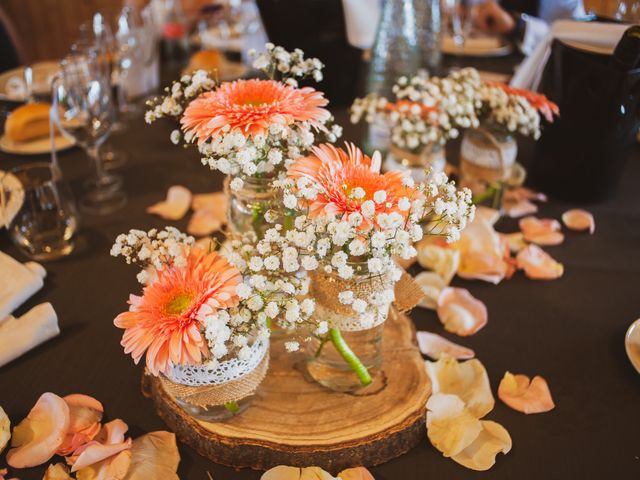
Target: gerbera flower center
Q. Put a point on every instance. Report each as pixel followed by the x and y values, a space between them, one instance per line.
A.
pixel 178 304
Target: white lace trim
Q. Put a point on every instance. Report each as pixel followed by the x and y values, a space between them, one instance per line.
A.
pixel 218 373
pixel 372 317
pixel 488 156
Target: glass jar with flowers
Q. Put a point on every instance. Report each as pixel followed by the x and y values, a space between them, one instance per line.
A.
pixel 351 221
pixel 426 113
pixel 251 130
pixel 488 153
pixel 203 319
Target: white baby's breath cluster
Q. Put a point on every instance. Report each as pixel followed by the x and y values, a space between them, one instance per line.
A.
pixel 427 110
pixel 513 113
pixel 177 97
pixel 365 240
pixel 155 249
pixel 278 63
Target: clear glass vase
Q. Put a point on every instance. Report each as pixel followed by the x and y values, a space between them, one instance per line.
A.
pixel 215 392
pixel 487 160
pixel 349 357
pixel 431 159
pixel 248 205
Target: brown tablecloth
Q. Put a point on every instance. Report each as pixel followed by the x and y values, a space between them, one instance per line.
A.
pixel 570 331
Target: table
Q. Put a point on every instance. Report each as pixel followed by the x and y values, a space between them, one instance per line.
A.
pixel 570 331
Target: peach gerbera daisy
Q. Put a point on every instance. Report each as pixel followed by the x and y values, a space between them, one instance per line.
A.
pixel 251 106
pixel 338 173
pixel 166 320
pixel 538 101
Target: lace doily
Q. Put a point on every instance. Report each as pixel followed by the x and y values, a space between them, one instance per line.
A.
pixel 372 317
pixel 218 373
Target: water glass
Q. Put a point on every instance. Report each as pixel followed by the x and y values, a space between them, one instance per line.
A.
pixel 39 211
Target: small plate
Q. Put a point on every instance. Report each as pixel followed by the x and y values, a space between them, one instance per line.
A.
pixel 480 46
pixel 35 147
pixel 632 344
pixel 12 85
pixel 8 181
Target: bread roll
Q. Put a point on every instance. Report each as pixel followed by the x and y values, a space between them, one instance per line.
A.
pixel 28 122
pixel 205 60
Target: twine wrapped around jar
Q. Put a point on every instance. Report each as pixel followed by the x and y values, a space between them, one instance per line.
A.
pixel 482 168
pixel 429 157
pixel 221 392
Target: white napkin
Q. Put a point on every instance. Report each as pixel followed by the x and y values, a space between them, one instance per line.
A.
pixel 19 335
pixel 585 35
pixel 18 282
pixel 361 18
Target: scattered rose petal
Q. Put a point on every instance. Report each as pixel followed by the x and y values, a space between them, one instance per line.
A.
pixel 203 222
pixel 467 380
pixel 460 312
pixel 442 260
pixel 515 241
pixel 357 473
pixel 175 206
pixel 481 253
pixel 489 215
pixel 481 454
pixel 85 415
pixel 282 472
pixel 537 264
pixel 525 395
pixel 215 202
pixel 545 231
pixel 36 439
pixel 432 284
pixel 102 454
pixel 523 193
pixel 57 471
pixel 520 208
pixel 435 346
pixel 450 426
pixel 405 263
pixel 154 455
pixel 5 429
pixel 578 219
pixel 4 472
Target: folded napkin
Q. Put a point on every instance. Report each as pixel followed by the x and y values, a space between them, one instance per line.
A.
pixel 361 18
pixel 18 282
pixel 602 37
pixel 19 335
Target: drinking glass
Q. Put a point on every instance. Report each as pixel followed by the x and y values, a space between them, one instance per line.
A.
pixel 38 211
pixel 83 110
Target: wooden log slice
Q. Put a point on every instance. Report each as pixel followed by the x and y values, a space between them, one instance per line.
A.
pixel 294 421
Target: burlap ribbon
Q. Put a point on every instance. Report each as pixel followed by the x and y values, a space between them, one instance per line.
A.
pixel 326 288
pixel 406 158
pixel 469 168
pixel 214 395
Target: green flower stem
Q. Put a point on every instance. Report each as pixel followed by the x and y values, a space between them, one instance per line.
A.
pixel 323 342
pixel 232 406
pixel 347 354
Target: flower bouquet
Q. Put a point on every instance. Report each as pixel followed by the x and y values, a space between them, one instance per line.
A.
pixel 427 112
pixel 202 321
pixel 488 152
pixel 352 220
pixel 250 130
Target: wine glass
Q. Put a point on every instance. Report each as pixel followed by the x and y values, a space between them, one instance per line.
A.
pixel 83 110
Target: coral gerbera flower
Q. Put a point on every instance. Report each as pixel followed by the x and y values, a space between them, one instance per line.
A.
pixel 251 106
pixel 538 101
pixel 166 320
pixel 348 179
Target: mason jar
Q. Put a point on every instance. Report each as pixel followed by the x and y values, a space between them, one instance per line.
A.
pixel 247 205
pixel 431 159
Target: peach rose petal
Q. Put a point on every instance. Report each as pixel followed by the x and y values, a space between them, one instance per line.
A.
pixel 176 204
pixel 525 395
pixel 36 439
pixel 203 223
pixel 112 468
pixel 537 264
pixel 520 208
pixel 480 455
pixel 545 231
pixel 523 193
pixel 85 416
pixel 580 220
pixel 282 472
pixel 435 346
pixel 481 253
pixel 4 472
pixel 450 426
pixel 467 380
pixel 357 473
pixel 154 455
pixel 460 312
pixel 109 442
pixel 57 471
pixel 215 202
pixel 442 260
pixel 432 284
pixel 5 430
pixel 515 241
pixel 489 215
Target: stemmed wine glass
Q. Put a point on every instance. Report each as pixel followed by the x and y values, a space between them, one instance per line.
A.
pixel 83 110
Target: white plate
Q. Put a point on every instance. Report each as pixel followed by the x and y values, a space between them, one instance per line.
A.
pixel 481 46
pixel 34 147
pixel 8 181
pixel 632 344
pixel 12 85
